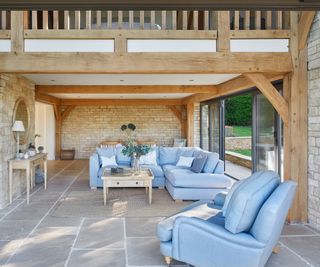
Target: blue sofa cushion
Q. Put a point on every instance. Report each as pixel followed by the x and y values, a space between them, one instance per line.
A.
pixel 204 211
pixel 185 152
pixel 156 169
pixel 169 167
pixel 212 160
pixel 122 159
pixel 188 179
pixel 168 155
pixel 198 163
pixel 247 200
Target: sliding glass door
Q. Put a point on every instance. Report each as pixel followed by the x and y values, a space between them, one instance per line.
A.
pixel 212 125
pixel 266 136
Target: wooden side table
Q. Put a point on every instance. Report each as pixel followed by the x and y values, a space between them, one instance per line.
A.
pixel 28 165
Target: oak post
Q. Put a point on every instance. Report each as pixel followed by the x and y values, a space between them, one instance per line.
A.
pixel 297 154
pixel 17 24
pixel 223 41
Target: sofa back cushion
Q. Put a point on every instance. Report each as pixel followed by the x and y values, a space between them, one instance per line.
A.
pixel 150 158
pixel 105 152
pixel 247 200
pixel 212 160
pixel 168 155
pixel 121 158
pixel 198 163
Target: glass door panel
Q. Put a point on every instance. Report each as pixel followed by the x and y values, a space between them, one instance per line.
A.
pixel 215 143
pixel 205 130
pixel 265 122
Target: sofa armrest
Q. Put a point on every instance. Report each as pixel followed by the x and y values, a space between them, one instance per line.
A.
pixel 94 166
pixel 199 242
pixel 212 230
pixel 220 198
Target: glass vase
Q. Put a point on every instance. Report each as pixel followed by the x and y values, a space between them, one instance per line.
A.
pixel 136 165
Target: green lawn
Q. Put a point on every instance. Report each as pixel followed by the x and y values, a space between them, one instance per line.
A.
pixel 245 152
pixel 240 131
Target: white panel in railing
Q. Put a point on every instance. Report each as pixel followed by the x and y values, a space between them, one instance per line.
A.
pixel 260 45
pixel 160 45
pixel 5 45
pixel 45 45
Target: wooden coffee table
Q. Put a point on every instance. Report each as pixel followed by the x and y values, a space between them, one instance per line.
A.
pixel 127 179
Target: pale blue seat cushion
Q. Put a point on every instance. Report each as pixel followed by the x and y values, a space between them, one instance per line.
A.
pixel 168 155
pixel 205 211
pixel 188 179
pixel 156 169
pixel 212 160
pixel 247 200
pixel 169 167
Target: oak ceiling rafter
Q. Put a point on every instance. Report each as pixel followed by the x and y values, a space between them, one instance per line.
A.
pixel 123 89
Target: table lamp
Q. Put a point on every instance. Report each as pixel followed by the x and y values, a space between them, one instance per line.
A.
pixel 18 127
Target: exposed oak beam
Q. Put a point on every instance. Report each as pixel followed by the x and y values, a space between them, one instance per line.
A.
pixel 304 26
pixel 66 112
pixel 242 83
pixel 230 87
pixel 47 99
pixel 226 62
pixel 271 93
pixel 120 89
pixel 121 102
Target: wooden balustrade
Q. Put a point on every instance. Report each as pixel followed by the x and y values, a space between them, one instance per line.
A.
pixel 259 20
pixel 143 20
pixel 148 20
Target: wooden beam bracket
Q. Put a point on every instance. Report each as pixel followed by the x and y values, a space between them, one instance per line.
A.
pixel 271 93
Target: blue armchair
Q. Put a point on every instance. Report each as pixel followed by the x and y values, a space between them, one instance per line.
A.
pixel 240 230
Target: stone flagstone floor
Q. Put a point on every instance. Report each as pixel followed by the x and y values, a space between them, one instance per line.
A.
pixel 35 234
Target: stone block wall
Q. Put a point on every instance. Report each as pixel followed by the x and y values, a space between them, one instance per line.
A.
pixel 87 126
pixel 197 125
pixel 314 123
pixel 13 87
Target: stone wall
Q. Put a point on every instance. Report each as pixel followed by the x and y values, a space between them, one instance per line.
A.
pixel 12 87
pixel 197 125
pixel 314 123
pixel 87 126
pixel 232 143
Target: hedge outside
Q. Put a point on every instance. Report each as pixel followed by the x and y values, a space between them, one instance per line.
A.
pixel 239 110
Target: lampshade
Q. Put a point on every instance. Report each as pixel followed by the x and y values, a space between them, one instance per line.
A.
pixel 18 126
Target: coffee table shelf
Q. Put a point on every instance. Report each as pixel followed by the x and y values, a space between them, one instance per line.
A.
pixel 127 179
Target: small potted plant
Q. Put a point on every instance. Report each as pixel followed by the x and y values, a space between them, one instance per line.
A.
pixel 40 149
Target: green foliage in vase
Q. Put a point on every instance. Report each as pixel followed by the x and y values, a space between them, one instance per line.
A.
pixel 131 148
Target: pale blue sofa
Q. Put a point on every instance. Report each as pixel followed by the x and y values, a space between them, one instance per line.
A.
pixel 181 182
pixel 239 230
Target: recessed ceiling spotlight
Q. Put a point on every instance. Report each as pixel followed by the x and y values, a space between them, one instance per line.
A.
pixel 191 80
pixel 121 80
pixel 52 80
